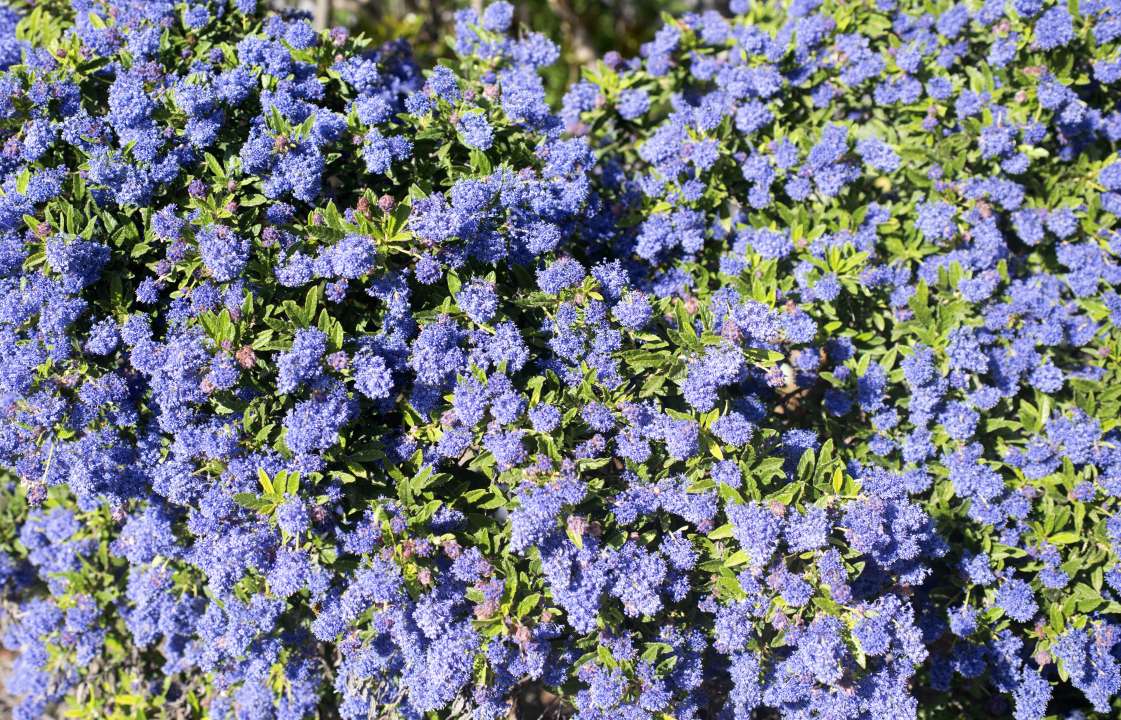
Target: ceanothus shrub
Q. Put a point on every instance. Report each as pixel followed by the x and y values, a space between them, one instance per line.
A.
pixel 774 374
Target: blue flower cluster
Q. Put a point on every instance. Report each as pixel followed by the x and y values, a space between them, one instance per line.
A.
pixel 777 373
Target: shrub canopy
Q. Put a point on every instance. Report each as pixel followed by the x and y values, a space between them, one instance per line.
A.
pixel 775 372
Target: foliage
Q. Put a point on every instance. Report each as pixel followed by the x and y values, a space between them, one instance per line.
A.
pixel 776 373
pixel 583 29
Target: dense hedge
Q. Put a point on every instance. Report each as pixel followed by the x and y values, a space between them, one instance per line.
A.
pixel 776 373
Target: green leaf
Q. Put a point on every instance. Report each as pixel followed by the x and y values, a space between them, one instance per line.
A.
pixel 263 478
pixel 215 166
pixel 920 303
pixel 739 557
pixel 480 162
pixel 723 532
pixel 576 538
pixel 253 502
pixel 311 301
pixel 527 604
pixel 605 657
pixel 806 466
pixel 1064 538
pixel 787 494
